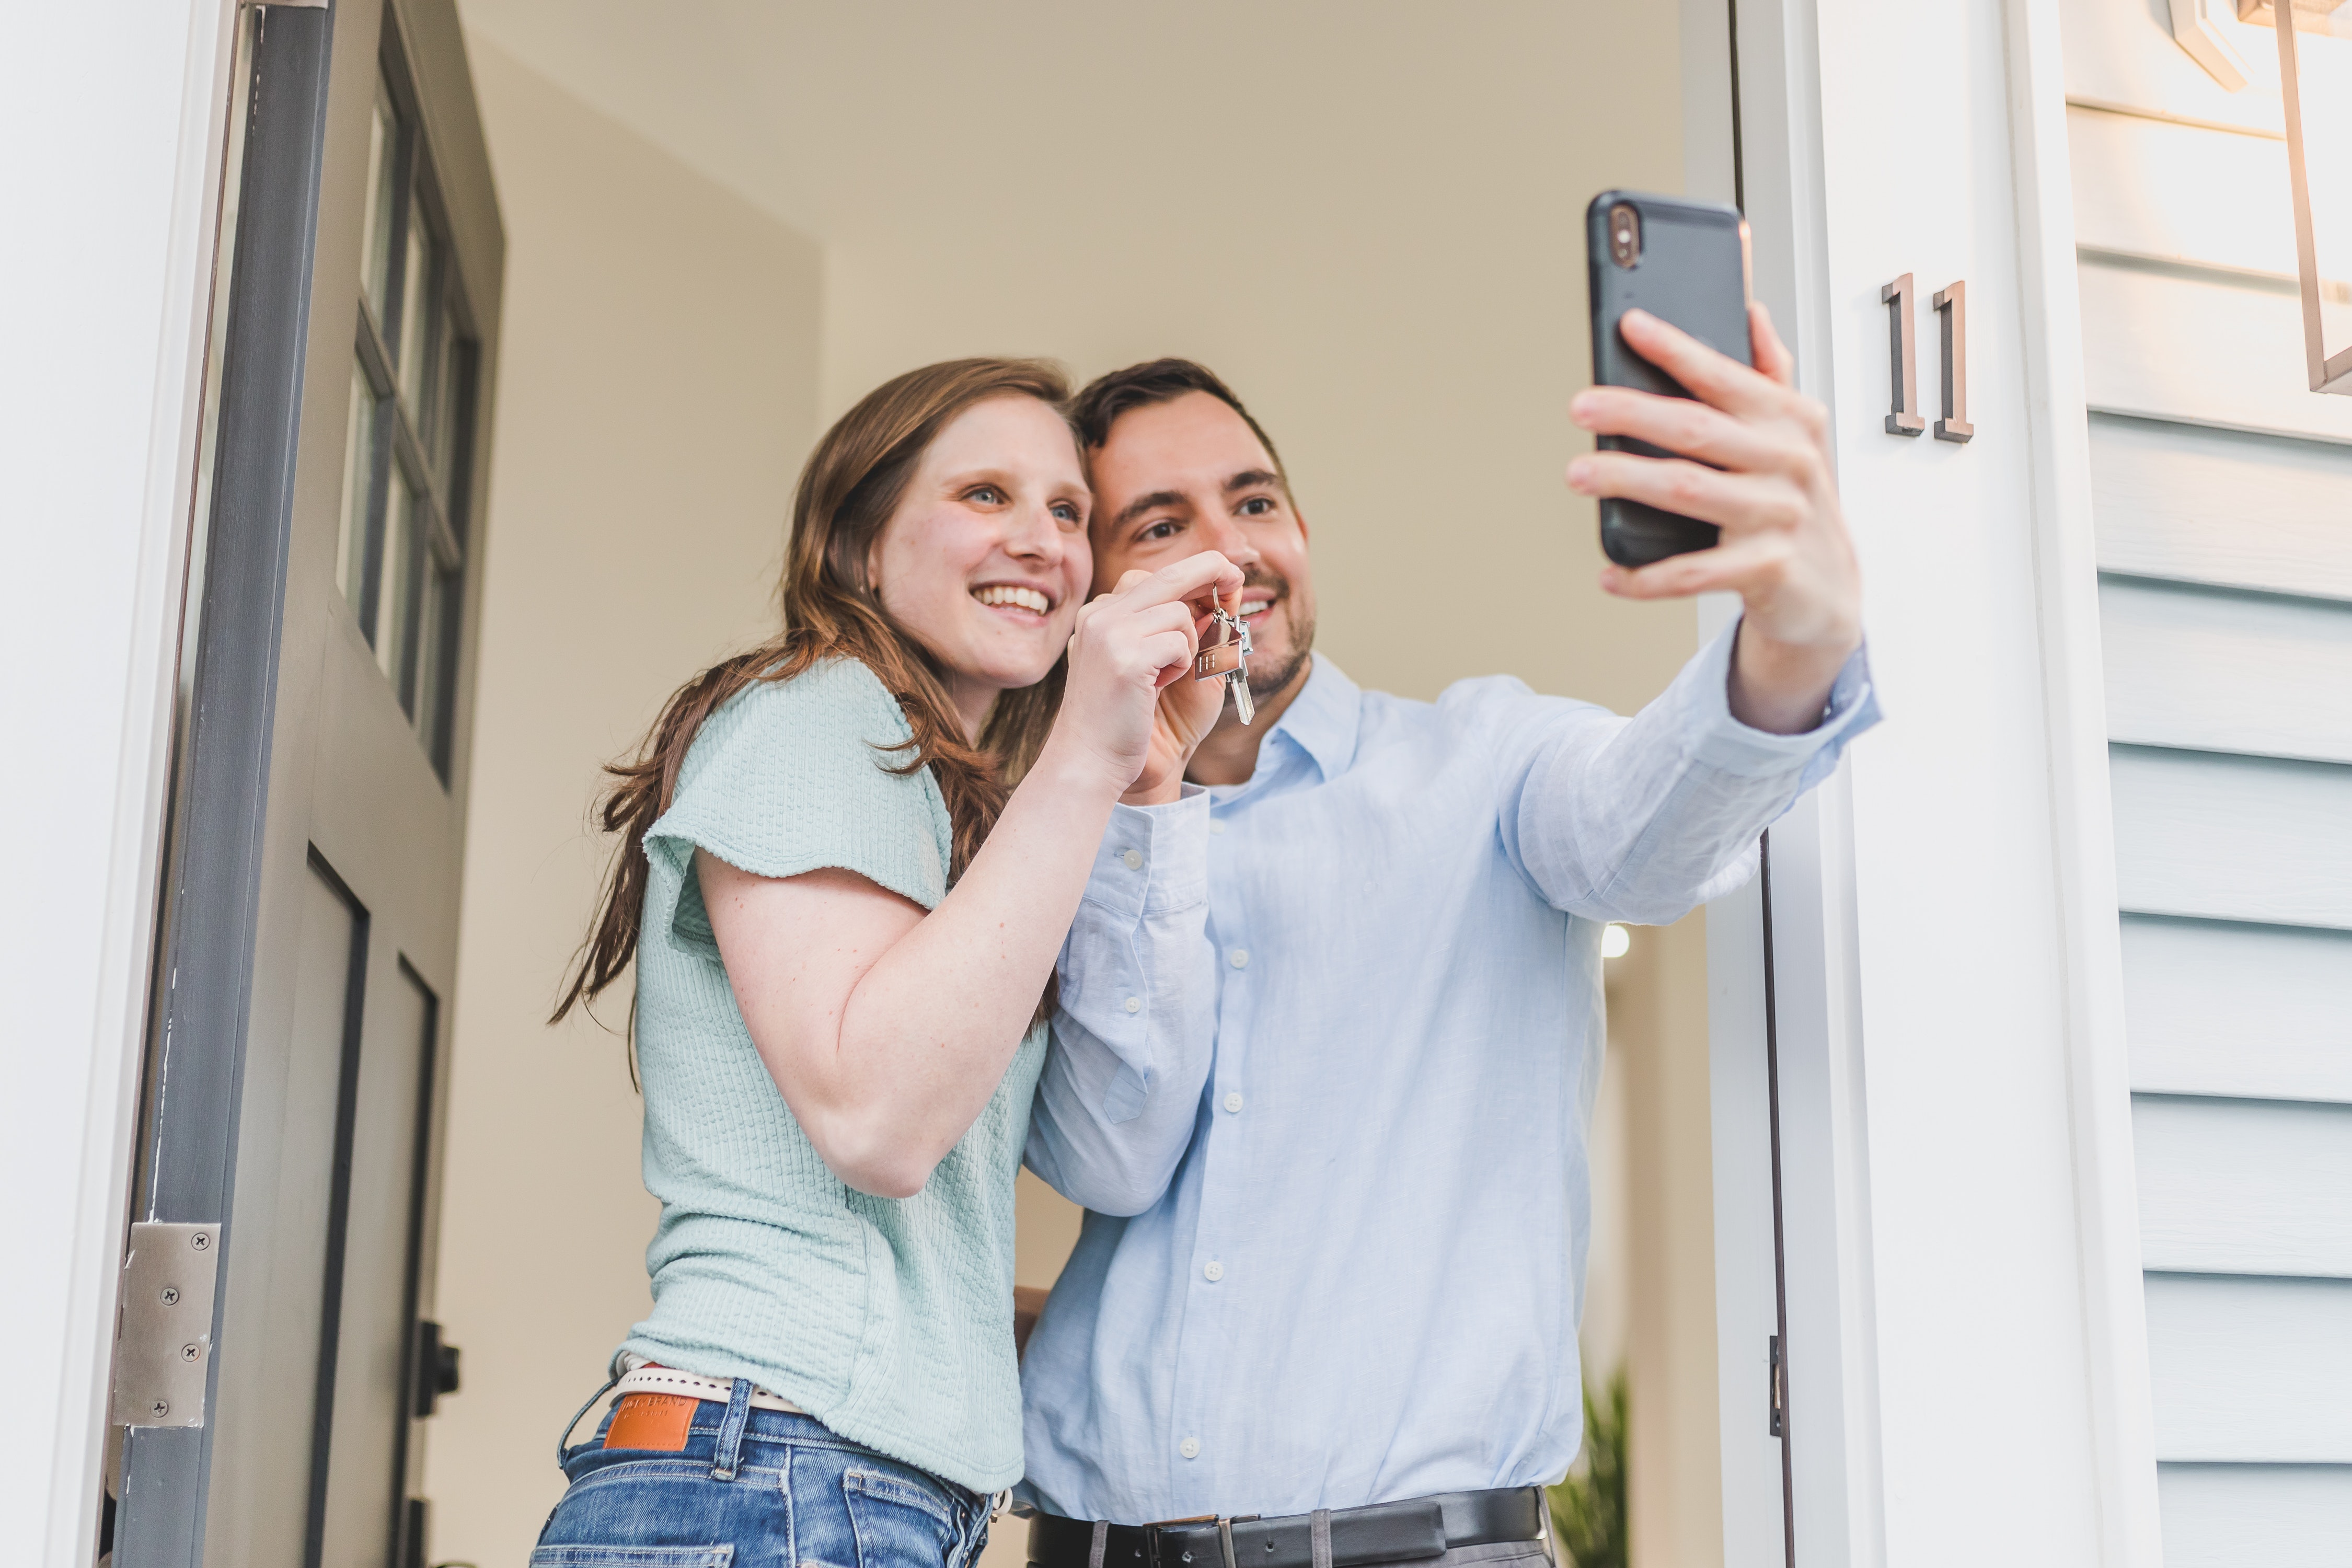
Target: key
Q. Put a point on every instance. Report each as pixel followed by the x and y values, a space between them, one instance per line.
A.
pixel 1228 656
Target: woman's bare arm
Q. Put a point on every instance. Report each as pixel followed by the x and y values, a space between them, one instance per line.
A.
pixel 888 1029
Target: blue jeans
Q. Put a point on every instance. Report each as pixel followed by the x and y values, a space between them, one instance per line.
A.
pixel 756 1487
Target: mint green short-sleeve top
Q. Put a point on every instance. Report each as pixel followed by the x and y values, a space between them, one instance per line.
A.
pixel 888 1319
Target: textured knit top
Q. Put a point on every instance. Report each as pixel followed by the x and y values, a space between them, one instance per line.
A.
pixel 888 1319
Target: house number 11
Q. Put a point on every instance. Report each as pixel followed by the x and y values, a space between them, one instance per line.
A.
pixel 1903 418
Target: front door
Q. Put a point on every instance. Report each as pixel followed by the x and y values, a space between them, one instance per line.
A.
pixel 298 1054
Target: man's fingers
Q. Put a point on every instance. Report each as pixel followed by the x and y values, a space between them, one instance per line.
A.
pixel 1733 566
pixel 1772 355
pixel 1709 376
pixel 1693 429
pixel 1740 503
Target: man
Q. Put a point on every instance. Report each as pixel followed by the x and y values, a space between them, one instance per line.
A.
pixel 1326 1105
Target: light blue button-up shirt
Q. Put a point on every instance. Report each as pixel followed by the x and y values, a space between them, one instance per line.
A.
pixel 1327 1053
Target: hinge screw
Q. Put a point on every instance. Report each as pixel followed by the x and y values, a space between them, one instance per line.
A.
pixel 160 1409
pixel 192 1353
pixel 171 1295
pixel 201 1240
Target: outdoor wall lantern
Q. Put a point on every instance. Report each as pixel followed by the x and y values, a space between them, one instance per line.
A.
pixel 2315 58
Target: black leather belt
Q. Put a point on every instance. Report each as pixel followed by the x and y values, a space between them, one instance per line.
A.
pixel 1384 1533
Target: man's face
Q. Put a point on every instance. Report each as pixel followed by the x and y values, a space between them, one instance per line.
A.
pixel 1184 476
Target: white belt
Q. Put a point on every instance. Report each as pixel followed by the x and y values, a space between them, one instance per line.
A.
pixel 646 1378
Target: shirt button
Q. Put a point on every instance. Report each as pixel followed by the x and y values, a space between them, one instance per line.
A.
pixel 1134 859
pixel 1190 1447
pixel 1241 958
pixel 1213 1271
pixel 1233 1101
pixel 1135 1004
pixel 1215 826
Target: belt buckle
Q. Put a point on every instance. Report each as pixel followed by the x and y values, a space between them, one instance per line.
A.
pixel 1151 1533
pixel 1225 1523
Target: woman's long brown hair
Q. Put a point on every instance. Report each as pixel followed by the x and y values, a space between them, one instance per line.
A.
pixel 852 484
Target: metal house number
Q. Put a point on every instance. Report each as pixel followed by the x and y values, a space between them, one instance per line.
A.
pixel 1903 416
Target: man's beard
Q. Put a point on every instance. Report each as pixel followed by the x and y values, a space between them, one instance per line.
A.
pixel 1267 679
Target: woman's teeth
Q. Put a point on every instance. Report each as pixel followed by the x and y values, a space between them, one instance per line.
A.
pixel 1028 599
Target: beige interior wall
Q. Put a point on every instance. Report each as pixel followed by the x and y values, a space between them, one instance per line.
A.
pixel 1368 219
pixel 658 391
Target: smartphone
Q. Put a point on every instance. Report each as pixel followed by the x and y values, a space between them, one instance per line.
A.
pixel 1684 262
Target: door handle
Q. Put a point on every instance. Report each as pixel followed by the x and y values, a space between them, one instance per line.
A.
pixel 436 1368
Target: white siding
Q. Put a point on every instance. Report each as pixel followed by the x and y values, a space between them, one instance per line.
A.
pixel 2234 837
pixel 2173 503
pixel 2252 1371
pixel 2226 672
pixel 2244 1186
pixel 2222 492
pixel 2215 1008
pixel 2255 1516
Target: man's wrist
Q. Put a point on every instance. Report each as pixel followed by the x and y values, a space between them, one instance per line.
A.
pixel 1783 689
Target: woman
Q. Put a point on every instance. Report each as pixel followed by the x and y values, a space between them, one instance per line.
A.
pixel 845 928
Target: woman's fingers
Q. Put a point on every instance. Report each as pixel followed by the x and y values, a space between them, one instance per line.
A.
pixel 1172 652
pixel 1208 571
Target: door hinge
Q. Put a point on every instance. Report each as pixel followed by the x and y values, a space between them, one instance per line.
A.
pixel 1779 1388
pixel 163 1332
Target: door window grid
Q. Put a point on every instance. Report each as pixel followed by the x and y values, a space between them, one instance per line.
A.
pixel 401 561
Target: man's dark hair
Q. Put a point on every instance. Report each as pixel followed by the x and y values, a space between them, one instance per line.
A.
pixel 1158 381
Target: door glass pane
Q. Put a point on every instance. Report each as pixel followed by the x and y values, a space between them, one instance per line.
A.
pixel 435 629
pixel 375 232
pixel 398 572
pixel 367 1379
pixel 420 309
pixel 437 415
pixel 359 487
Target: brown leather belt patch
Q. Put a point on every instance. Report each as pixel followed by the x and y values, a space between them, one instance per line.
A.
pixel 655 1421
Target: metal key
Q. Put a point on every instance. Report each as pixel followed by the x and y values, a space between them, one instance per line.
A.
pixel 1228 656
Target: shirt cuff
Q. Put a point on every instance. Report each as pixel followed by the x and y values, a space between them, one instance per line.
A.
pixel 1722 741
pixel 1154 859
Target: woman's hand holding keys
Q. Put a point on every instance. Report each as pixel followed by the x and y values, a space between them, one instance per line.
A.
pixel 1127 703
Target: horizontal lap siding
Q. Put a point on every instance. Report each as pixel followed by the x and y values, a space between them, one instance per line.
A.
pixel 2250 1370
pixel 2244 1186
pixel 2217 1008
pixel 2255 1516
pixel 2222 496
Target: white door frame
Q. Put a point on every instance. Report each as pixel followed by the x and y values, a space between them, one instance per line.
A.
pixel 2036 1323
pixel 113 121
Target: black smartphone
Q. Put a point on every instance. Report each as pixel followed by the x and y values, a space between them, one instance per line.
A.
pixel 1684 262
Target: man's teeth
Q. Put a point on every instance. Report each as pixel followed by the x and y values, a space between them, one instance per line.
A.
pixel 1006 593
pixel 1255 607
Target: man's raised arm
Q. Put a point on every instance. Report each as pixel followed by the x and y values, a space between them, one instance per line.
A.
pixel 1641 819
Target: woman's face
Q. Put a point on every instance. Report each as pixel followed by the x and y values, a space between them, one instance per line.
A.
pixel 985 560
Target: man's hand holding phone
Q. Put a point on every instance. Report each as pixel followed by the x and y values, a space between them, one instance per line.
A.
pixel 1754 461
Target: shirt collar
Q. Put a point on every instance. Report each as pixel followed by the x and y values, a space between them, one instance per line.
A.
pixel 1321 721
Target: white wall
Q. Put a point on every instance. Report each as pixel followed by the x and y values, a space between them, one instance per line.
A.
pixel 108 173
